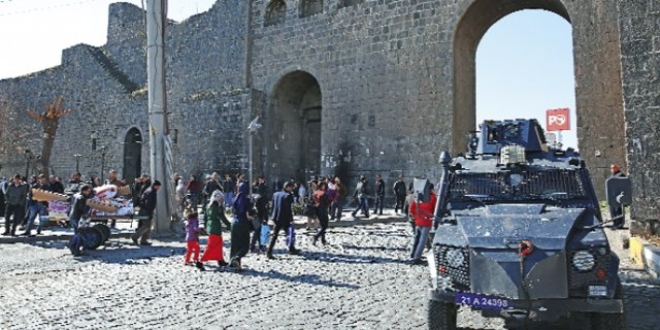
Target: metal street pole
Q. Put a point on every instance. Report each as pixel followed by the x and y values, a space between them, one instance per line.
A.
pixel 253 128
pixel 156 84
pixel 28 153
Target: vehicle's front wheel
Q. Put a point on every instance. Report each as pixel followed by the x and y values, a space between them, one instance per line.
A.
pixel 441 316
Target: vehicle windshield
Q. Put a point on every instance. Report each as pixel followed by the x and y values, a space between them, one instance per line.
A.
pixel 547 184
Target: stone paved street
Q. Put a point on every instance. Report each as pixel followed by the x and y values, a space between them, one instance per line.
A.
pixel 359 281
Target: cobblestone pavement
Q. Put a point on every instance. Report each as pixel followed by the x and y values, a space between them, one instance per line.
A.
pixel 358 281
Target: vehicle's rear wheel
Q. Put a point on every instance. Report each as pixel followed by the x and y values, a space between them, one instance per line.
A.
pixel 441 316
pixel 105 231
pixel 606 321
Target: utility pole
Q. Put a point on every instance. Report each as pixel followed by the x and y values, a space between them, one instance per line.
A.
pixel 252 129
pixel 156 21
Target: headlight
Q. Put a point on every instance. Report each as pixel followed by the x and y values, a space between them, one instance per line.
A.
pixel 454 257
pixel 583 261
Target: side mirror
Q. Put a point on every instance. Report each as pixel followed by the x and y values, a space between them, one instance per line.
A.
pixel 618 191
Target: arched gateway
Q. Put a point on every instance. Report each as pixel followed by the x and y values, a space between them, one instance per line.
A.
pixel 293 122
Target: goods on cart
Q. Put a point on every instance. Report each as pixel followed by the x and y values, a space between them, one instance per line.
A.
pixel 47 196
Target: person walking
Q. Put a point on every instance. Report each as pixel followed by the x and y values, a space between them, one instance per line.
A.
pixel 15 200
pixel 36 208
pixel 400 193
pixel 311 217
pixel 79 210
pixel 339 200
pixel 194 189
pixel 192 239
pixel 228 187
pixel 362 194
pixel 380 195
pixel 261 189
pixel 240 228
pixel 322 202
pixel 211 186
pixel 422 212
pixel 283 217
pixel 147 208
pixel 214 217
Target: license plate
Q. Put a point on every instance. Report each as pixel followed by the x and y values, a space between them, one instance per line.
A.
pixel 478 301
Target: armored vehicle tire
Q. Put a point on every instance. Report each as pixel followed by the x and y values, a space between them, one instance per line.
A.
pixel 442 316
pixel 92 237
pixel 105 231
pixel 606 321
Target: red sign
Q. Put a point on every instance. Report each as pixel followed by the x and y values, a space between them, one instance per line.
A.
pixel 557 120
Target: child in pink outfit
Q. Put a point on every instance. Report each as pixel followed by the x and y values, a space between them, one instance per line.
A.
pixel 192 238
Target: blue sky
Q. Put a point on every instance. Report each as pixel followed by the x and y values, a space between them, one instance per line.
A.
pixel 524 62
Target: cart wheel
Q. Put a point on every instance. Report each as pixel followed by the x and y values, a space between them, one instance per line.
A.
pixel 91 237
pixel 105 231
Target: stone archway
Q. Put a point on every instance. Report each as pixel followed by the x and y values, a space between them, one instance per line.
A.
pixel 597 58
pixel 132 155
pixel 294 127
pixel 473 25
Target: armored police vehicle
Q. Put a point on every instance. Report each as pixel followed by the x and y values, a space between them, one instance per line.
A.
pixel 519 234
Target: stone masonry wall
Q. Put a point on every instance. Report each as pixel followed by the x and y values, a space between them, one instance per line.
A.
pixel 387 78
pixel 640 49
pixel 106 86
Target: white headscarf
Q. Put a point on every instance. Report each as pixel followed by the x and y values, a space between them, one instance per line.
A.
pixel 217 196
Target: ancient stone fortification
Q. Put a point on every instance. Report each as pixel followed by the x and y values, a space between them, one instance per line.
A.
pixel 342 86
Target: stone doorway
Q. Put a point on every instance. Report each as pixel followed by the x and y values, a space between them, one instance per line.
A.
pixel 132 155
pixel 473 25
pixel 294 128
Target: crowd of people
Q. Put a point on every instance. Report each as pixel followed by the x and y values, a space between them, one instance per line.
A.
pixel 321 200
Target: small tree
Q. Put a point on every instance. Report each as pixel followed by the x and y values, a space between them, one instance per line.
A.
pixel 50 120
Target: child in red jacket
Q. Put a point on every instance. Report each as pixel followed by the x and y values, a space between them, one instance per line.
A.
pixel 423 215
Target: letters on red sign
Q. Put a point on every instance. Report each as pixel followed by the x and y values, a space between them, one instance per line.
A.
pixel 558 120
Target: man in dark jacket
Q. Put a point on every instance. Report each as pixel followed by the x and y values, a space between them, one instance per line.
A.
pixel 261 189
pixel 380 195
pixel 15 199
pixel 209 187
pixel 147 208
pixel 283 217
pixel 79 207
pixel 55 185
pixel 616 211
pixel 400 193
pixel 79 210
pixel 228 186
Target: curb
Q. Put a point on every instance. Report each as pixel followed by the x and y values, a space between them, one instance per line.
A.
pixel 645 254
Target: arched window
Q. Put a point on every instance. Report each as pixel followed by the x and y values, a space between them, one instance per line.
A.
pixel 275 13
pixel 310 7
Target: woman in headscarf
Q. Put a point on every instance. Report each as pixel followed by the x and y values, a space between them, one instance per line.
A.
pixel 213 217
pixel 240 229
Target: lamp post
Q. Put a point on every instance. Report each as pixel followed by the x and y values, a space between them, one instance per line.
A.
pixel 102 162
pixel 29 156
pixel 253 128
pixel 77 157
